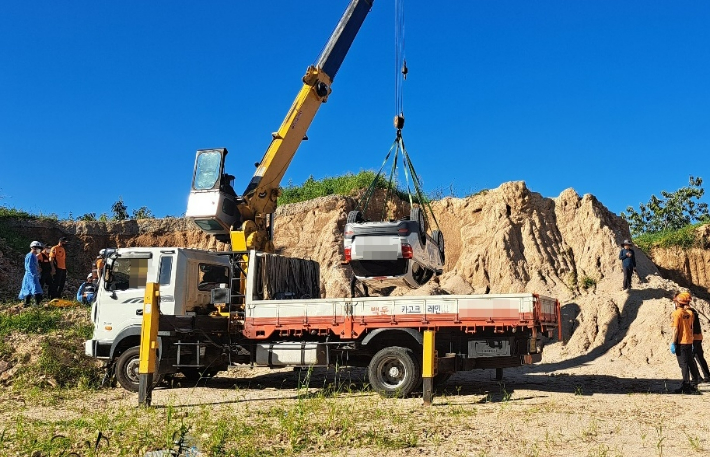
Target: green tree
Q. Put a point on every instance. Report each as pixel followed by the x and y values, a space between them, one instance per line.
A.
pixel 674 210
pixel 119 210
pixel 143 213
pixel 87 217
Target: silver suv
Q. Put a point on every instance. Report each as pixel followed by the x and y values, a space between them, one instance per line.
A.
pixel 396 253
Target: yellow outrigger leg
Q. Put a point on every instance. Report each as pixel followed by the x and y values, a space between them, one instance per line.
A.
pixel 149 343
pixel 429 365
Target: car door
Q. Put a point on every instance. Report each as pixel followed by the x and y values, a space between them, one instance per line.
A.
pixel 122 293
pixel 166 281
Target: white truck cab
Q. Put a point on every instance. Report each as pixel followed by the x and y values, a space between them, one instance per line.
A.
pixel 117 310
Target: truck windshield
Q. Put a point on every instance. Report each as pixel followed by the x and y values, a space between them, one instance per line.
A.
pixel 127 274
pixel 207 170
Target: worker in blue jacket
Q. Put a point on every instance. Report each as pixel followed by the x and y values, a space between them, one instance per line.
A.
pixel 30 281
pixel 87 291
pixel 628 262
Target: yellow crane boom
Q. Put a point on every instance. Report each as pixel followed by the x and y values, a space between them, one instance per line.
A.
pixel 247 220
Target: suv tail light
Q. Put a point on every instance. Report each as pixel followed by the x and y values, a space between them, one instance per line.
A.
pixel 348 255
pixel 407 252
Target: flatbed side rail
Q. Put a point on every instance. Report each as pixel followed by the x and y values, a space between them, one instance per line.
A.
pixel 349 318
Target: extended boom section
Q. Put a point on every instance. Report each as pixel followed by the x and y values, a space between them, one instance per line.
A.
pixel 245 220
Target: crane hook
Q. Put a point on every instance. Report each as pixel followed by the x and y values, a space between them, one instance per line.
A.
pixel 405 70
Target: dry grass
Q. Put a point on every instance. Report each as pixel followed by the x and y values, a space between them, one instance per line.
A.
pixel 253 415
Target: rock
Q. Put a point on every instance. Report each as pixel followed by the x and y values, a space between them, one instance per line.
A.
pixel 456 285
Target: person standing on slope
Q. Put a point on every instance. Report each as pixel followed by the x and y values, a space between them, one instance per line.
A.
pixel 30 281
pixel 58 255
pixel 46 269
pixel 698 355
pixel 682 342
pixel 628 262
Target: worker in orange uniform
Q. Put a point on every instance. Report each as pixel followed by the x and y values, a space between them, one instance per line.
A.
pixel 698 355
pixel 58 256
pixel 100 263
pixel 682 341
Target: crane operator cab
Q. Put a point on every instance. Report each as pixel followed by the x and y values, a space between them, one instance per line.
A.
pixel 212 204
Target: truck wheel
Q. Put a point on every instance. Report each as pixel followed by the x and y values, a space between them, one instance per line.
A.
pixel 127 370
pixel 394 372
pixel 355 217
pixel 417 214
pixel 439 240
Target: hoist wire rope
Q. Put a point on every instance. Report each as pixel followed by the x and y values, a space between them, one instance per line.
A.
pixel 406 175
pixel 389 192
pixel 423 201
pixel 399 59
pixel 371 189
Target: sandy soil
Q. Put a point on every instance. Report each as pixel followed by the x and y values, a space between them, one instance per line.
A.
pixel 530 412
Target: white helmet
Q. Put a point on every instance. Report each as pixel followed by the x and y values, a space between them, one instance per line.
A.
pixel 35 244
pixel 91 276
pixel 102 252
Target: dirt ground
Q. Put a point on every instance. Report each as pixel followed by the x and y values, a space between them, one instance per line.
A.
pixel 531 412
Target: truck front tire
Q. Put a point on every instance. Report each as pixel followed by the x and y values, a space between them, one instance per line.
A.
pixel 127 366
pixel 394 372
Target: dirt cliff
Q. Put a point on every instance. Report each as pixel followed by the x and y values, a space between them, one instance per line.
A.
pixel 688 267
pixel 507 239
pixel 87 238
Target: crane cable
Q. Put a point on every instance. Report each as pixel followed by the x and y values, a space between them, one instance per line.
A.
pixel 400 61
pixel 398 147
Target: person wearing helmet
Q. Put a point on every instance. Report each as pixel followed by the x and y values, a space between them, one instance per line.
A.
pixel 30 281
pixel 698 354
pixel 628 262
pixel 87 291
pixel 58 256
pixel 682 342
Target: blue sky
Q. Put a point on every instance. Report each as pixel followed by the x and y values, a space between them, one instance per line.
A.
pixel 106 99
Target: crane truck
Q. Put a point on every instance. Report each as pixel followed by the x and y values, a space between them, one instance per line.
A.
pixel 279 320
pixel 250 306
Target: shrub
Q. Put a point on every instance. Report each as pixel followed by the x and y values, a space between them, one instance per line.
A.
pixel 14 213
pixel 588 283
pixel 684 238
pixel 338 185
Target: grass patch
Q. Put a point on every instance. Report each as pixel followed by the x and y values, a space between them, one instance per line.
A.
pixel 59 362
pixel 684 238
pixel 588 283
pixel 305 426
pixel 44 347
pixel 14 239
pixel 347 184
pixel 31 321
pixel 14 213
